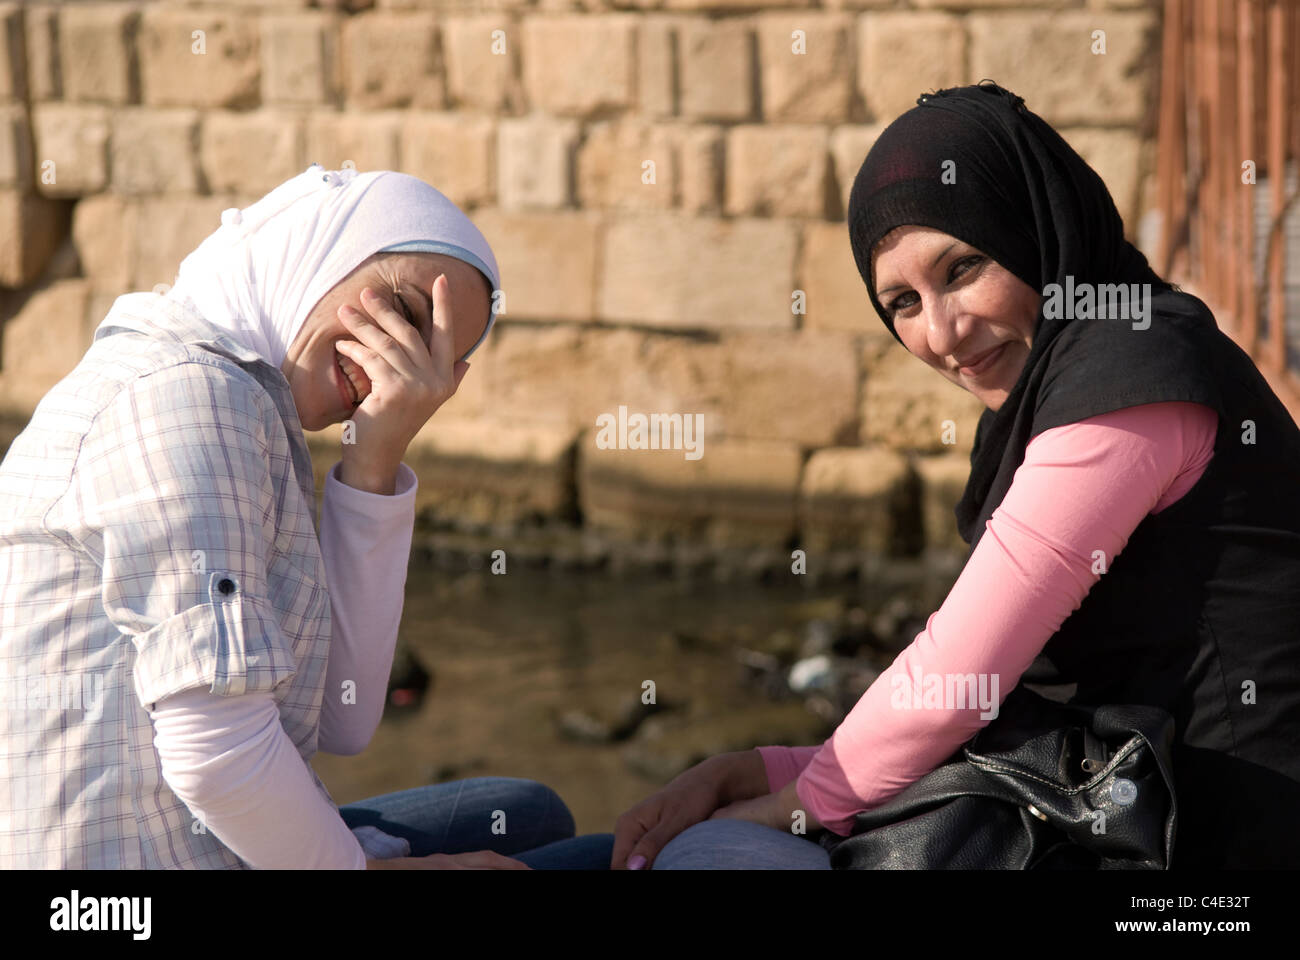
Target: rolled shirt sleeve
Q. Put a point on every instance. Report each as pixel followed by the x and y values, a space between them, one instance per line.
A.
pixel 176 474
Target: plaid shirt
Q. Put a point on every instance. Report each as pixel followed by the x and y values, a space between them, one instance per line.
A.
pixel 157 534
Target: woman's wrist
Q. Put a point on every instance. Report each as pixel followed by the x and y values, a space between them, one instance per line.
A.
pixel 744 776
pixel 383 482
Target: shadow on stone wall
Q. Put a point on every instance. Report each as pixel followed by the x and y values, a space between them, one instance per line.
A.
pixel 579 509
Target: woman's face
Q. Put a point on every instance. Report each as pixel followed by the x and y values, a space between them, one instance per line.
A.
pixel 405 282
pixel 952 304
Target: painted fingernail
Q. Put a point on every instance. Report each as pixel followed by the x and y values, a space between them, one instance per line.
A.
pixel 636 863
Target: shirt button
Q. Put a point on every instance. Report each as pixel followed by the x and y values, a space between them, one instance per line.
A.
pixel 226 585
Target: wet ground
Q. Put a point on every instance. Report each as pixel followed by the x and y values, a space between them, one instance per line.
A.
pixel 543 675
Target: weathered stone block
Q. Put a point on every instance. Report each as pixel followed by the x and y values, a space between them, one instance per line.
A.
pixel 41 39
pixel 716 69
pixel 15 147
pixel 454 152
pixel 482 63
pixel 737 494
pixel 13 66
pixel 691 272
pixel 154 151
pixel 251 152
pixel 778 170
pixel 97 52
pixel 71 148
pixel 908 405
pixel 627 166
pixel 578 64
pixel 535 162
pixel 368 140
pixel 904 54
pixel 806 66
pixel 31 229
pixel 547 262
pixel 392 60
pixel 850 145
pixel 301 59
pixel 1116 155
pixel 1048 59
pixel 799 387
pixel 657 66
pixel 858 498
pixel 104 231
pixel 42 343
pixel 198 57
pixel 486 473
pixel 836 296
pixel 943 481
pixel 174 226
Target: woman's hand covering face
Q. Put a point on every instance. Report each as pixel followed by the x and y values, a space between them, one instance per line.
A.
pixel 395 334
pixel 402 383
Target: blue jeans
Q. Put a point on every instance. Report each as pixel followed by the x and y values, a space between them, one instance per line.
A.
pixel 458 817
pixel 740 845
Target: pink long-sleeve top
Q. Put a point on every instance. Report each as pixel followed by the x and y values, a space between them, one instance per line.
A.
pixel 229 759
pixel 1082 487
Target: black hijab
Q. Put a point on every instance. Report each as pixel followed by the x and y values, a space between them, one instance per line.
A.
pixel 1024 197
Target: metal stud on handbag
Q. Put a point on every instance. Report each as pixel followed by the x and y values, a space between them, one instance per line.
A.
pixel 1045 785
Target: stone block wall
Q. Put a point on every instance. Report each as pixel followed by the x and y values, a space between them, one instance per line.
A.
pixel 663 182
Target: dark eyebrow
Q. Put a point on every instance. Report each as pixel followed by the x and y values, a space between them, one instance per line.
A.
pixel 942 253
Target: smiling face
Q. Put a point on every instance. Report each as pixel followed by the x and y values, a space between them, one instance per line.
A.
pixel 404 281
pixel 952 304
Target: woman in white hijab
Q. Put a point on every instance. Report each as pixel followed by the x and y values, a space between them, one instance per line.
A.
pixel 177 641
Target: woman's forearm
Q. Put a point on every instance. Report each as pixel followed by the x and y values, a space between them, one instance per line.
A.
pixel 741 774
pixel 230 762
pixel 1032 569
pixel 366 546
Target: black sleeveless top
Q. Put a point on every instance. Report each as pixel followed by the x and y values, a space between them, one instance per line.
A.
pixel 1200 613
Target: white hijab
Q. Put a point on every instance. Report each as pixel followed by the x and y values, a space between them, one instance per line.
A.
pixel 259 275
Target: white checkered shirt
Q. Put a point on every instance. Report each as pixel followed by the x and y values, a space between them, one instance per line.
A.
pixel 157 534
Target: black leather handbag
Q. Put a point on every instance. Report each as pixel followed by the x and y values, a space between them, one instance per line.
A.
pixel 1045 785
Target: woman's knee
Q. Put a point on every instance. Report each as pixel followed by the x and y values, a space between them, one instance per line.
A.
pixel 739 845
pixel 533 808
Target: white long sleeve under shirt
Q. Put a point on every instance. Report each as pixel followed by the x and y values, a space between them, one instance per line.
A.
pixel 229 759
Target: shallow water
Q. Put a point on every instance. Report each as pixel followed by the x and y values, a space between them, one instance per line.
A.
pixel 541 675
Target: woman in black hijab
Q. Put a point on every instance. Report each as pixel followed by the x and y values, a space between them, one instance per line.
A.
pixel 1200 613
